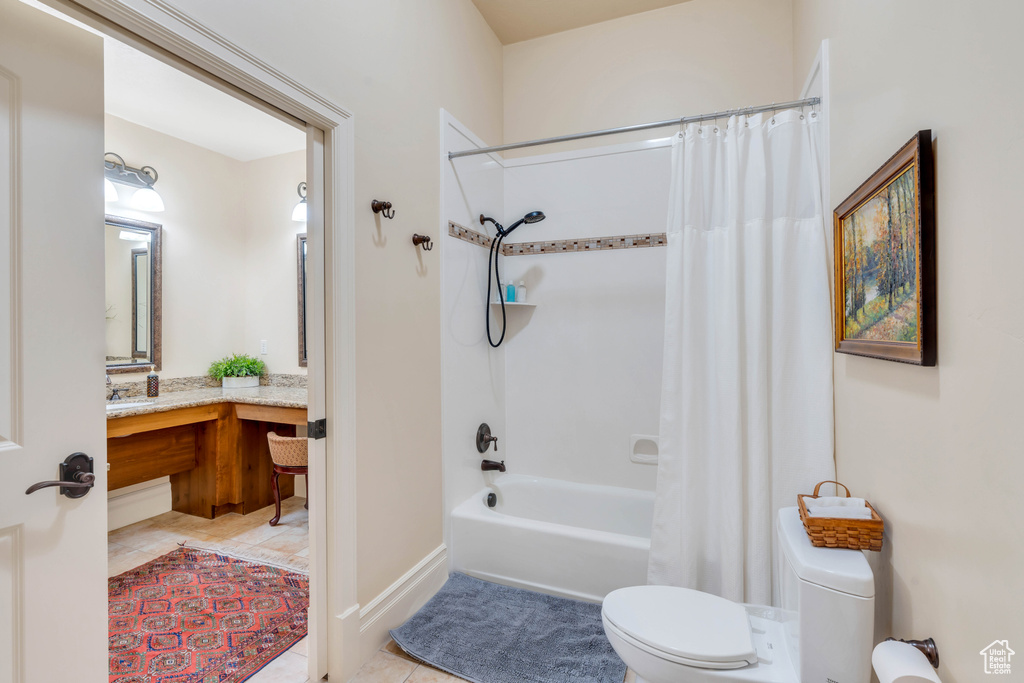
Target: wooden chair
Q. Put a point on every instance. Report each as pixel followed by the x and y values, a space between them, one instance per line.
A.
pixel 291 456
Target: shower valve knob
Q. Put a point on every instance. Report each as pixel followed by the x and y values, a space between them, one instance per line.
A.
pixel 484 439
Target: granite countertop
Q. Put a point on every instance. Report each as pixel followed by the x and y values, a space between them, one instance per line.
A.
pixel 282 397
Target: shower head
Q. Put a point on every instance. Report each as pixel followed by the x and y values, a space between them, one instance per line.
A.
pixel 530 218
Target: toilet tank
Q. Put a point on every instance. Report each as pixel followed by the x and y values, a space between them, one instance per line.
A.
pixel 833 592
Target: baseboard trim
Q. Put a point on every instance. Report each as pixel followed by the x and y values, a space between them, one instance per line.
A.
pixel 400 601
pixel 135 506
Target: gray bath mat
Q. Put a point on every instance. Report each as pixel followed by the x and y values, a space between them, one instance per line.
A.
pixel 487 633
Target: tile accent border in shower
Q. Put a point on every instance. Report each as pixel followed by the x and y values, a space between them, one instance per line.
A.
pixel 654 239
pixel 467 235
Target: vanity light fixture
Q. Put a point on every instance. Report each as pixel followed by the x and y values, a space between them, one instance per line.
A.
pixel 109 191
pixel 145 197
pixel 300 214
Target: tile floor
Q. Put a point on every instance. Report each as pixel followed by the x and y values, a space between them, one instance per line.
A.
pixel 249 536
pixel 286 544
pixel 391 665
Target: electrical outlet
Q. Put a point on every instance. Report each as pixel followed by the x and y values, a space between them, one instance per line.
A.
pixel 263 347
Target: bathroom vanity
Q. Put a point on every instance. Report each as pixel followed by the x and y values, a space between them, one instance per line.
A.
pixel 212 443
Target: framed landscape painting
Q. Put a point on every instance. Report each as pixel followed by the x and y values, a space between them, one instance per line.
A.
pixel 885 260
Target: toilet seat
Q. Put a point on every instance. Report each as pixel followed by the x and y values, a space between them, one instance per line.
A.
pixel 682 625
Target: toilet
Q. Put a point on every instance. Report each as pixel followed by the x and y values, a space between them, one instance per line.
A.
pixel 823 632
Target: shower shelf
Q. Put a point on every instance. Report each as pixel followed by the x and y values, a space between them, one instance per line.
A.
pixel 513 304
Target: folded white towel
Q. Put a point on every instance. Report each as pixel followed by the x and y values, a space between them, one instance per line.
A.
pixel 839 512
pixel 835 501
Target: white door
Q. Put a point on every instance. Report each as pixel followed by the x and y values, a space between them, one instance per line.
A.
pixel 53 606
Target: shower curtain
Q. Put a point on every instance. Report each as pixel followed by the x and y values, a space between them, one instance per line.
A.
pixel 746 406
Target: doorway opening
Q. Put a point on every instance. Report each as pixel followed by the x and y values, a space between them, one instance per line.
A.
pixel 232 426
pixel 205 277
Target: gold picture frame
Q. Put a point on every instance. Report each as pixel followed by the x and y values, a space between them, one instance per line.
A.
pixel 885 261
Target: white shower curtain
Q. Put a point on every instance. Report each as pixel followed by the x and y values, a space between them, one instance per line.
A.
pixel 746 405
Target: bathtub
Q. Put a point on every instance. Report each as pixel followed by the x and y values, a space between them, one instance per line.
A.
pixel 576 540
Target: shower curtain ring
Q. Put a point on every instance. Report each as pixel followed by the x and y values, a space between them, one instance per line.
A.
pixel 716 121
pixel 773 114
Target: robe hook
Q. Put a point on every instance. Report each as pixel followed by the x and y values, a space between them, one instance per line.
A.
pixel 383 208
pixel 422 241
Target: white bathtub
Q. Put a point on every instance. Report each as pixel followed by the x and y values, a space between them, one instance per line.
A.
pixel 576 540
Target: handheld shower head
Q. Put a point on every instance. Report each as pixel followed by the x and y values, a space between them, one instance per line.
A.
pixel 530 218
pixel 492 262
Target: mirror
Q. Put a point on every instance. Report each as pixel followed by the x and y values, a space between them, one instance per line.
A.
pixel 132 250
pixel 300 244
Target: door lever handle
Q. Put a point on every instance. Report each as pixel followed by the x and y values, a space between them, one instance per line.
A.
pixel 83 480
pixel 76 477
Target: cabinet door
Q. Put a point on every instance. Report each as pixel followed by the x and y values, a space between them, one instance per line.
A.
pixel 150 455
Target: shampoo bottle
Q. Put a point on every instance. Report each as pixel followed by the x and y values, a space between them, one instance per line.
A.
pixel 510 292
pixel 521 292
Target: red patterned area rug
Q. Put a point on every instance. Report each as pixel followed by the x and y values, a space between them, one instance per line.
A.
pixel 195 616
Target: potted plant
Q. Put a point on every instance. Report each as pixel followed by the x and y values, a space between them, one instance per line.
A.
pixel 238 371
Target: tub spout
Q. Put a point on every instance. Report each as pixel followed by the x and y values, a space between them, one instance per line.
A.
pixel 491 466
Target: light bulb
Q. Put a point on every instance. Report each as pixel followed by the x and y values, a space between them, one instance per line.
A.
pixel 147 199
pixel 300 213
pixel 109 191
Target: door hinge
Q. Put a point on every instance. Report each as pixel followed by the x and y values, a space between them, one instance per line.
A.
pixel 317 429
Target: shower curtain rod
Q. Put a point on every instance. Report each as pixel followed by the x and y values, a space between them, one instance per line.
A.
pixel 743 111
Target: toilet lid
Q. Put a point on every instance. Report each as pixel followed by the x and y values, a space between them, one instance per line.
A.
pixel 685 623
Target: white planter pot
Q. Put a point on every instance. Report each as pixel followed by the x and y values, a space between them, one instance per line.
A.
pixel 240 382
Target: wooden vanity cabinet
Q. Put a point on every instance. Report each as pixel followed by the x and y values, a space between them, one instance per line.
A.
pixel 217 456
pixel 135 458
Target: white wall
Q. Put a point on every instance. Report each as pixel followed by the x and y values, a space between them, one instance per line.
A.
pixel 203 238
pixel 689 58
pixel 584 370
pixel 473 377
pixel 228 250
pixel 269 264
pixel 938 450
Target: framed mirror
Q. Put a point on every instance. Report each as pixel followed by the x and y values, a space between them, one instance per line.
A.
pixel 300 244
pixel 132 250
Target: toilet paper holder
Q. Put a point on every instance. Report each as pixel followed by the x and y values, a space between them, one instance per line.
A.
pixel 926 646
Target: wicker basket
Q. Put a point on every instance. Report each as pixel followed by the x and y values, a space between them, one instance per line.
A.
pixel 831 532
